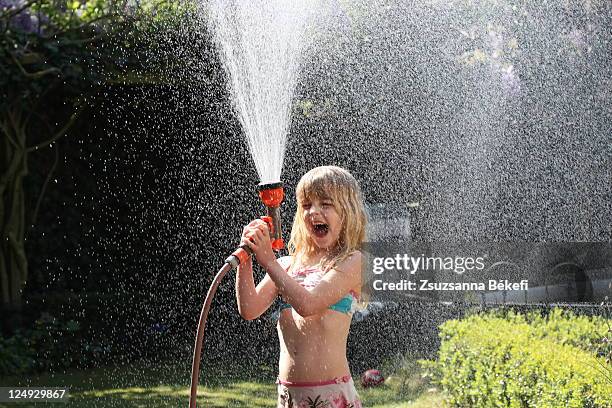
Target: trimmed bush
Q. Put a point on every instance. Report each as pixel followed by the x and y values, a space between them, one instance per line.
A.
pixel 518 361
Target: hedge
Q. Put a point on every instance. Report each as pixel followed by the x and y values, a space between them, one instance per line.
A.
pixel 517 361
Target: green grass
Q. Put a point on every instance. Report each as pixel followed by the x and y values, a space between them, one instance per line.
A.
pixel 167 385
pixel 405 387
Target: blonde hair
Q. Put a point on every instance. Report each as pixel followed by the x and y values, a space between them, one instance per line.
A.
pixel 338 185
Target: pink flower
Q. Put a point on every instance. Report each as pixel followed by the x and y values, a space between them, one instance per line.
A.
pixel 303 404
pixel 339 401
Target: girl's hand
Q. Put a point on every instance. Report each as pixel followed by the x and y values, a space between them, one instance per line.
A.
pixel 257 237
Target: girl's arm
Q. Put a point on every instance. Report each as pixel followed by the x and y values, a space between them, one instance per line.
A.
pixel 335 284
pixel 253 301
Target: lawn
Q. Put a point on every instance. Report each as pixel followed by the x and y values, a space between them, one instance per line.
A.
pixel 167 385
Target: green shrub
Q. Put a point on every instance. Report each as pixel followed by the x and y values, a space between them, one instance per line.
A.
pixel 16 355
pixel 564 327
pixel 50 344
pixel 521 361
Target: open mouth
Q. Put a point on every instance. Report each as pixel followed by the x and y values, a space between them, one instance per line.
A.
pixel 320 229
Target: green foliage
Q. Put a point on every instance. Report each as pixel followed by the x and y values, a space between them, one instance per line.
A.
pixel 55 56
pixel 512 360
pixel 78 45
pixel 16 356
pixel 404 377
pixel 74 44
pixel 164 44
pixel 50 344
pixel 564 327
pixel 52 44
pixel 70 14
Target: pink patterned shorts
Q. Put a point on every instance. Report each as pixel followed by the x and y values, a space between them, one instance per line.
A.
pixel 337 393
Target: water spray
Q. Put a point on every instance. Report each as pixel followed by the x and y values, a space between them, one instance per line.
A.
pixel 271 195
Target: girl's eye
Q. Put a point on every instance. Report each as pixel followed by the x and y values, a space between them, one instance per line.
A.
pixel 306 206
pixel 328 204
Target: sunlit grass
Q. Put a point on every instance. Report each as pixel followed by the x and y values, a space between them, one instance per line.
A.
pixel 167 385
pixel 387 397
pixel 405 388
pixel 240 394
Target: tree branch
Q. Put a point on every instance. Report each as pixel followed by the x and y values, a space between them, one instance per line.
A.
pixel 60 133
pixel 44 187
pixel 36 104
pixel 34 75
pixel 11 170
pixel 12 13
pixel 17 128
pixel 5 130
pixel 80 27
pixel 88 40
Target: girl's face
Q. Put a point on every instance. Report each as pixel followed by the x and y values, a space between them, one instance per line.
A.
pixel 323 222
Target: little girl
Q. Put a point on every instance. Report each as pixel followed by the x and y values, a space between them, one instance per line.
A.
pixel 319 284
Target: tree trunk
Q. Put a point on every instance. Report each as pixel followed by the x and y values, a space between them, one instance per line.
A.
pixel 13 261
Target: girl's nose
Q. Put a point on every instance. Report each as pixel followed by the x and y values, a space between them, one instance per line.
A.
pixel 314 209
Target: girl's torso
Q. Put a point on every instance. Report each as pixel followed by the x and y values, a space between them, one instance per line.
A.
pixel 313 348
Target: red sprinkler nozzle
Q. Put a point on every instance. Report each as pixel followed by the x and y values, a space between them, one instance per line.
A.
pixel 271 195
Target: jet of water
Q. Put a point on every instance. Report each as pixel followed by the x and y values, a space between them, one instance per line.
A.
pixel 261 45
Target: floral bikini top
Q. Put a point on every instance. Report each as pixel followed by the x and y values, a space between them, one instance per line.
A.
pixel 309 277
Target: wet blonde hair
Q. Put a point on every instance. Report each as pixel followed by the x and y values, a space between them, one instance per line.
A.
pixel 339 186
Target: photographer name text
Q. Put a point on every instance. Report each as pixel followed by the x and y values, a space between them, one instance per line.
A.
pixel 427 285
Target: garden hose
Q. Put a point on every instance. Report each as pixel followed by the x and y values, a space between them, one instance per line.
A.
pixel 271 195
pixel 195 367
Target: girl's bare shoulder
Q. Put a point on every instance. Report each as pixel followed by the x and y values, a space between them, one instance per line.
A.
pixel 351 263
pixel 354 256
